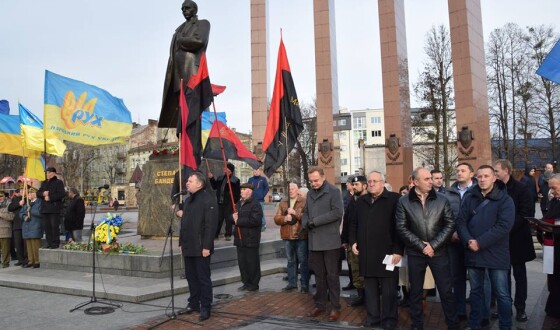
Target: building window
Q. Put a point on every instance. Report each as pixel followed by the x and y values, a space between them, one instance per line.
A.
pixel 359 122
pixel 357 161
pixel 361 134
pixel 344 161
pixel 376 133
pixel 376 120
pixel 342 122
pixel 341 135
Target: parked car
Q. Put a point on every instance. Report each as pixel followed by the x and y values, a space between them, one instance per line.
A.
pixel 276 197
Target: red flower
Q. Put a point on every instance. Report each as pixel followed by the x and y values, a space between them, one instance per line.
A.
pixel 155 152
pixel 164 152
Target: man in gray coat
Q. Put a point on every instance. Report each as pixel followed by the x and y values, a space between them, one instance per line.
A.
pixel 321 218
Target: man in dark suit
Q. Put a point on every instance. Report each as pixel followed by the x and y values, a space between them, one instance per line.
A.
pixel 224 197
pixel 196 238
pixel 372 237
pixel 51 193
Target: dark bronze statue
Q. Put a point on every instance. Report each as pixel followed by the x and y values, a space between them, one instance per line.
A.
pixel 189 42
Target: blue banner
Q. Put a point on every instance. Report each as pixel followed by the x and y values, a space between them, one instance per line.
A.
pixel 550 67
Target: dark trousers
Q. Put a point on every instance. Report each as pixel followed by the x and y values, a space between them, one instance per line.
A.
pixel 520 276
pixel 325 266
pixel 249 263
pixel 224 212
pixel 19 246
pixel 459 275
pixel 442 276
pixel 381 301
pixel 51 225
pixel 197 272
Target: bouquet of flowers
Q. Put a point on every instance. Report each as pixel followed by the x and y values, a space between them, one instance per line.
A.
pixel 108 229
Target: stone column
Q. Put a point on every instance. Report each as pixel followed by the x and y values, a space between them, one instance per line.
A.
pixel 396 96
pixel 326 84
pixel 469 75
pixel 259 67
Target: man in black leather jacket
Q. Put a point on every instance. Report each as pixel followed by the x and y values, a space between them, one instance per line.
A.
pixel 425 223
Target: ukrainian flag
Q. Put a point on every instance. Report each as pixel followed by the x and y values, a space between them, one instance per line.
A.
pixel 83 113
pixel 206 124
pixel 34 137
pixel 10 135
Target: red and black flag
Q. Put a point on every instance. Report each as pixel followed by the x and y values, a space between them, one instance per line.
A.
pixel 233 147
pixel 199 97
pixel 284 119
pixel 186 154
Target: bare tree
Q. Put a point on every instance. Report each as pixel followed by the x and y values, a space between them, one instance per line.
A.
pixel 75 162
pixel 306 145
pixel 435 122
pixel 11 165
pixel 541 39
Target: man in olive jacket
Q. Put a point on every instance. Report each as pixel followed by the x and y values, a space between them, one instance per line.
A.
pixel 372 237
pixel 51 193
pixel 425 224
pixel 199 221
pixel 321 218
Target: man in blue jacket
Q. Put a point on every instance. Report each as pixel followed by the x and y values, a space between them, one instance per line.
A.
pixel 484 222
pixel 260 189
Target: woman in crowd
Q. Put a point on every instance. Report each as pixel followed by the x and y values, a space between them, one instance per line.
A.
pixel 32 229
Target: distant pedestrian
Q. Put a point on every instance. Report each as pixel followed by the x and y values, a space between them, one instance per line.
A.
pixel 247 238
pixel 32 228
pixel 74 215
pixel 16 229
pixel 260 189
pixel 6 218
pixel 116 205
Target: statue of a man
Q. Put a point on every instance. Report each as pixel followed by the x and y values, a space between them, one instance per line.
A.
pixel 189 42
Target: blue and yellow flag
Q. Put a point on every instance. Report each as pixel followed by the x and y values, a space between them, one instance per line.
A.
pixel 206 124
pixel 33 135
pixel 10 135
pixel 83 113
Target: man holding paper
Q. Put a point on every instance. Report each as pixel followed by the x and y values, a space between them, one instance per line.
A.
pixel 373 238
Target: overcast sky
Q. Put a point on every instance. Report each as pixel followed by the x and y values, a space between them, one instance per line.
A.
pixel 123 47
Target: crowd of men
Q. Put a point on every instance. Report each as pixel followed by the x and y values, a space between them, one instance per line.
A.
pixel 36 210
pixel 476 227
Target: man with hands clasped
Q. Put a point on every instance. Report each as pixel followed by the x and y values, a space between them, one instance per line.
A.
pixel 372 236
pixel 425 224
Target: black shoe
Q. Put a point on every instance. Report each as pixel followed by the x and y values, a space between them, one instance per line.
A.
pixel 204 315
pixel 36 265
pixel 189 310
pixel 285 278
pixel 485 322
pixel 19 263
pixel 242 288
pixel 461 317
pixel 350 286
pixel 253 289
pixel 521 317
pixel 357 301
pixel 289 288
pixel 304 289
pixel 27 266
pixel 404 303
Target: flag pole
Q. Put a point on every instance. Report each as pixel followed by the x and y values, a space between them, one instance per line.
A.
pixel 224 159
pixel 180 153
pixel 287 165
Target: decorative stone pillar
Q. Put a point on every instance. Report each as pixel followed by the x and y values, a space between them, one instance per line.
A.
pixel 396 95
pixel 469 75
pixel 259 67
pixel 326 84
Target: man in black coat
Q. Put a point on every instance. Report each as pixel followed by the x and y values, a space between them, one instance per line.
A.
pixel 372 237
pixel 52 193
pixel 247 238
pixel 16 229
pixel 196 239
pixel 223 196
pixel 74 215
pixel 521 249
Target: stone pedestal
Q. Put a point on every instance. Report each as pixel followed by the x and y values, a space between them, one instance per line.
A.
pixel 154 201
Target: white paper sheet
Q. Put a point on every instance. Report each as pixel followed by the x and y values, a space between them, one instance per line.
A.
pixel 388 261
pixel 548 260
